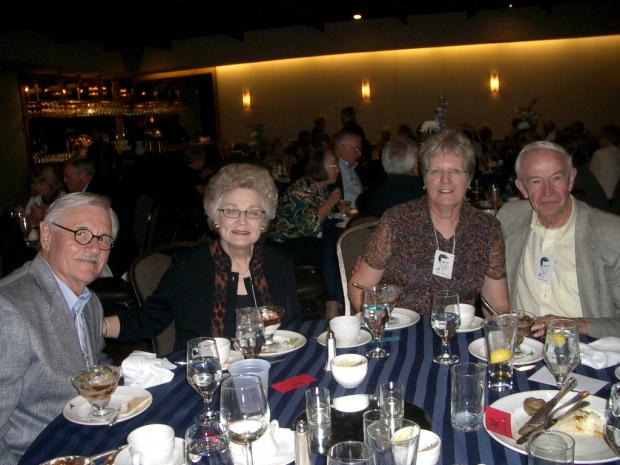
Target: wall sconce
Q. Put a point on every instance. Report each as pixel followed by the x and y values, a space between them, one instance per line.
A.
pixel 494 84
pixel 246 100
pixel 365 89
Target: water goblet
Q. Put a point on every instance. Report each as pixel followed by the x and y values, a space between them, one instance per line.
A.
pixel 206 443
pixel 272 319
pixel 250 332
pixel 525 320
pixel 393 293
pixel 244 411
pixel 204 372
pixel 445 320
pixel 96 385
pixel 375 315
pixel 612 428
pixel 561 349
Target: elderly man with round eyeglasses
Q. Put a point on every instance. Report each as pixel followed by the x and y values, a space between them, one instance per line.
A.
pixel 50 323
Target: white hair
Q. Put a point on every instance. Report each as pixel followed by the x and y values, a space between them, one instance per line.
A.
pixel 399 156
pixel 68 202
pixel 543 145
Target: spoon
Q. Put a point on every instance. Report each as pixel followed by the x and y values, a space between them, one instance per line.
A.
pixel 488 306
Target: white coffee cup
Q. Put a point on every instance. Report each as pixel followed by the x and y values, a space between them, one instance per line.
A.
pixel 467 313
pixel 349 370
pixel 223 348
pixel 346 329
pixel 151 445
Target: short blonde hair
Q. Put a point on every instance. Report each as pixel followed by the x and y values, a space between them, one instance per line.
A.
pixel 241 176
pixel 448 141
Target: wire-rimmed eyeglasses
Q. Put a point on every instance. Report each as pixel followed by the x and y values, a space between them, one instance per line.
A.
pixel 85 236
pixel 255 214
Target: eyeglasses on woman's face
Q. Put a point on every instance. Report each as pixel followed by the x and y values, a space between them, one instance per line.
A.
pixel 254 214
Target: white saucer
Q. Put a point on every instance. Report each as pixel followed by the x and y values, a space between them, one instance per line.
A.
pixel 178 456
pixel 475 325
pixel 404 317
pixel 532 347
pixel 77 409
pixel 233 356
pixel 363 338
pixel 289 341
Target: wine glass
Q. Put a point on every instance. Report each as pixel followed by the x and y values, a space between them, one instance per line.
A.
pixel 96 385
pixel 206 443
pixel 375 315
pixel 525 320
pixel 393 293
pixel 250 332
pixel 445 320
pixel 244 410
pixel 204 372
pixel 561 349
pixel 272 319
pixel 612 428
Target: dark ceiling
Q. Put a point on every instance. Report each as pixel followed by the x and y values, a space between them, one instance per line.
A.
pixel 130 26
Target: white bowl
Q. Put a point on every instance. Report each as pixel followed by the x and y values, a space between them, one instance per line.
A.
pixel 467 313
pixel 351 404
pixel 349 370
pixel 346 329
pixel 429 448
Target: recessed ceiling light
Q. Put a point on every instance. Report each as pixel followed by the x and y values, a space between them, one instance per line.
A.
pixel 510 5
pixel 357 16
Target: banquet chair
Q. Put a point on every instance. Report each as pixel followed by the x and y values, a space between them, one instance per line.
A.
pixel 350 245
pixel 145 274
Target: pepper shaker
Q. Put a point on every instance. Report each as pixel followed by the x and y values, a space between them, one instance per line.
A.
pixel 302 453
pixel 331 349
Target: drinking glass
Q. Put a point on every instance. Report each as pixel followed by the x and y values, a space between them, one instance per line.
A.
pixel 244 411
pixel 272 316
pixel 318 416
pixel 500 334
pixel 250 332
pixel 96 385
pixel 392 403
pixel 561 349
pixel 393 293
pixel 445 320
pixel 612 429
pixel 389 447
pixel 467 383
pixel 206 443
pixel 374 314
pixel 550 448
pixel 369 417
pixel 204 372
pixel 525 320
pixel 349 453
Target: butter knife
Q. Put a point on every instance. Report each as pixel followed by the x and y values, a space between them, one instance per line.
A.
pixel 539 418
pixel 579 405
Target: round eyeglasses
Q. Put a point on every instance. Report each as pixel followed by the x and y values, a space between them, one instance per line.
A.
pixel 85 236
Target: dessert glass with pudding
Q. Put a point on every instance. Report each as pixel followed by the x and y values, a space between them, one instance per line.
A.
pixel 97 385
pixel 272 319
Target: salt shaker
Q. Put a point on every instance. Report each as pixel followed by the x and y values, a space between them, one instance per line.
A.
pixel 302 453
pixel 331 349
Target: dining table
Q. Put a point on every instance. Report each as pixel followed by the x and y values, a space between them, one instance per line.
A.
pixel 410 362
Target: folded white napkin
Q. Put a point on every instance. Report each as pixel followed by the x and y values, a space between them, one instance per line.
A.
pixel 602 353
pixel 275 447
pixel 145 370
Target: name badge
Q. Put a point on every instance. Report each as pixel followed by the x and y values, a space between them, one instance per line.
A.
pixel 443 263
pixel 545 269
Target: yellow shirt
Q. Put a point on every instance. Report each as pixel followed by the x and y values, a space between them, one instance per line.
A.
pixel 547 280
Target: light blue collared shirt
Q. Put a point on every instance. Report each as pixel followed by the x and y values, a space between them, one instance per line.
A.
pixel 351 184
pixel 76 306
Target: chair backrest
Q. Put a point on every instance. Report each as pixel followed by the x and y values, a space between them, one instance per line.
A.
pixel 145 274
pixel 350 245
pixel 145 216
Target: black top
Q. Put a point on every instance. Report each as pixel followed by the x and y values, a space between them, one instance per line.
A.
pixel 186 295
pixel 389 192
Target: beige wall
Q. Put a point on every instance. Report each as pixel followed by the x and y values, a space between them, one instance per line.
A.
pixel 574 79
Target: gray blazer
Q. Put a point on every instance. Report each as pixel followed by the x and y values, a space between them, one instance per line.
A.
pixel 40 352
pixel 597 252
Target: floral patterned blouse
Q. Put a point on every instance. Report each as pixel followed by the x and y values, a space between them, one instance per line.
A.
pixel 403 245
pixel 298 211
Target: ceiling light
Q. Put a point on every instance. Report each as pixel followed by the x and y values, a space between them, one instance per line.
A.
pixel 357 16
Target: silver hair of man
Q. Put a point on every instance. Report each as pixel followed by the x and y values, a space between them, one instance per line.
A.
pixel 399 156
pixel 543 145
pixel 343 138
pixel 241 176
pixel 448 142
pixel 68 202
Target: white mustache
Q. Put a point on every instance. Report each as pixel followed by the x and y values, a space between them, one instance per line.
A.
pixel 89 258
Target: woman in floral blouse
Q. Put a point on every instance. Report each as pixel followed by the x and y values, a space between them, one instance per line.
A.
pixel 438 241
pixel 303 209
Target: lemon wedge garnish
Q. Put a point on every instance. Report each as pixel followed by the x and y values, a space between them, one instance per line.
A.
pixel 404 434
pixel 557 339
pixel 500 356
